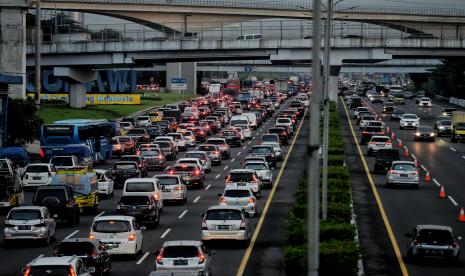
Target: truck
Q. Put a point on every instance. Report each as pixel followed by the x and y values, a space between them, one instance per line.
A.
pixel 11 189
pixel 281 85
pixel 233 84
pixel 215 90
pixel 84 183
pixel 458 126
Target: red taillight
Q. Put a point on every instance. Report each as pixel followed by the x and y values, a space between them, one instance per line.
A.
pixel 455 245
pixel 72 272
pixel 216 152
pixel 41 153
pixel 222 200
pixel 372 143
pixel 160 257
pixel 197 172
pixel 171 172
pixel 392 171
pixel 160 157
pixel 94 253
pixel 132 237
pixel 201 257
pixel 204 225
pixel 242 227
pixel 27 271
pixel 251 200
pixel 365 132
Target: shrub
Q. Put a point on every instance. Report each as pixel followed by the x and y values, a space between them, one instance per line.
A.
pixel 335 160
pixel 339 257
pixel 339 212
pixel 336 231
pixel 338 172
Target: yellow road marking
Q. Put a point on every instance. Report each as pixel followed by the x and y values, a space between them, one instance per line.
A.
pixel 395 246
pixel 248 252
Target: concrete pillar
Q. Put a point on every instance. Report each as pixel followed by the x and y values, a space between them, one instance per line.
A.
pixel 333 82
pixel 77 80
pixel 77 95
pixel 185 70
pixel 13 43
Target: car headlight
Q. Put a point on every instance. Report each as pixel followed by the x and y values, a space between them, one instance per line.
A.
pixel 417 134
pixel 431 134
pixel 441 127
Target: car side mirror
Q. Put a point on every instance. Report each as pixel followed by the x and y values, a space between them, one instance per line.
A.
pixel 202 215
pixel 143 228
pixel 409 235
pixel 92 269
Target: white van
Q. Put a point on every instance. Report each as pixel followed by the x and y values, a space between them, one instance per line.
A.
pixel 144 186
pixel 239 120
pixel 250 37
pixel 252 119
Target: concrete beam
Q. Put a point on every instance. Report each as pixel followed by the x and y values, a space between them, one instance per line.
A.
pixel 75 75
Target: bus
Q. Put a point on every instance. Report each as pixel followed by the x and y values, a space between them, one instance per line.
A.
pixel 95 134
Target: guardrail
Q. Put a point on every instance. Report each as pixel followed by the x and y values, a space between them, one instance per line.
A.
pixel 457 101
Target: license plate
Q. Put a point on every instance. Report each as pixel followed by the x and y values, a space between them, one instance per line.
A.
pixel 166 190
pixel 24 227
pixel 380 145
pixel 36 178
pixel 222 227
pixel 241 184
pixel 403 175
pixel 111 245
pixel 180 262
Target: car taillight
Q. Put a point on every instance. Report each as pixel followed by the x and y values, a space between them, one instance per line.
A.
pixel 94 253
pixel 27 271
pixel 171 172
pixel 222 199
pixel 204 225
pixel 242 227
pixel 455 245
pixel 415 242
pixel 201 257
pixel 72 272
pixel 197 172
pixel 415 173
pixel 132 237
pixel 160 257
pixel 365 132
pixel 41 153
pixel 372 143
pixel 216 152
pixel 392 171
pixel 91 237
pixel 251 200
pixel 177 188
pixel 160 157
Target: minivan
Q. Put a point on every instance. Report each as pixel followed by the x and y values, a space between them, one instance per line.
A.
pixel 144 186
pixel 252 119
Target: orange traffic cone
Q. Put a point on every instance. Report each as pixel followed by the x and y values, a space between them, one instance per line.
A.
pixel 400 143
pixel 442 192
pixel 406 153
pixel 461 215
pixel 393 136
pixel 416 163
pixel 427 177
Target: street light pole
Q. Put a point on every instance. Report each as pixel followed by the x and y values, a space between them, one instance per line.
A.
pixel 313 191
pixel 327 66
pixel 38 60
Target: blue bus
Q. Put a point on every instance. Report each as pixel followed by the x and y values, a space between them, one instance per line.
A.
pixel 95 134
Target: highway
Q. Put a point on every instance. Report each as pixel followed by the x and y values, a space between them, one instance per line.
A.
pixel 183 222
pixel 405 208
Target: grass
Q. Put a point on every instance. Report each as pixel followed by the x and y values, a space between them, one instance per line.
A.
pixel 53 112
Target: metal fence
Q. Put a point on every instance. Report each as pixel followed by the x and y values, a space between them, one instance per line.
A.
pixel 282 5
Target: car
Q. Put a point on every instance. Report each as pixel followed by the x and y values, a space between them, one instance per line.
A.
pixel 178 140
pixel 155 131
pixel 270 138
pixel 121 235
pixel 384 159
pixel 424 102
pixel 277 149
pixel 397 114
pixel 64 162
pixel 239 196
pixel 184 256
pixel 282 134
pixel 409 120
pixel 60 202
pixel 172 188
pixel 143 207
pixel 202 156
pixel 123 170
pixel 447 111
pixel 140 135
pixel 232 137
pixel 38 174
pixel 144 121
pixel 225 223
pixel 376 99
pixel 246 131
pixel 403 173
pixel 29 223
pixel 188 136
pixel 169 139
pixel 141 162
pixel 128 145
pixel 222 145
pixel 358 110
pixel 262 169
pixel 444 127
pixel 106 186
pixel 168 149
pixel 418 97
pixel 378 142
pixel 63 266
pixel 154 158
pixel 92 252
pixel 266 151
pixel 245 178
pixel 144 186
pixel 427 240
pixel 424 133
pixel 408 95
pixel 192 175
pixel 365 119
pixel 118 146
pixel 439 119
pixel 370 131
pixel 285 121
pixel 388 107
pixel 125 126
pixel 213 152
pixel 195 161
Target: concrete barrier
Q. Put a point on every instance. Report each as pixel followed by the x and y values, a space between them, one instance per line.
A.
pixel 457 101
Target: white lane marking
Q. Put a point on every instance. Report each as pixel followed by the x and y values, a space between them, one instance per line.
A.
pixel 436 182
pixel 182 214
pixel 249 142
pixel 423 168
pixel 72 234
pixel 253 138
pixel 100 214
pixel 244 147
pixel 453 201
pixel 452 149
pixel 239 153
pixel 232 160
pixel 165 233
pixel 208 187
pixel 413 156
pixel 196 199
pixel 442 141
pixel 225 168
pixel 40 256
pixel 143 258
pixel 218 176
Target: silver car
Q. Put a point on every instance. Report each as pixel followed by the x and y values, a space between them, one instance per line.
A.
pixel 203 156
pixel 225 223
pixel 403 173
pixel 29 222
pixel 242 197
pixel 277 149
pixel 262 169
pixel 172 188
pixel 184 255
pixel 433 241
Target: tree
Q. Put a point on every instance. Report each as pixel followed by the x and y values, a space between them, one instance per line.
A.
pixel 449 77
pixel 23 122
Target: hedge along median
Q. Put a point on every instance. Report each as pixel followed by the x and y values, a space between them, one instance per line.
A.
pixel 339 252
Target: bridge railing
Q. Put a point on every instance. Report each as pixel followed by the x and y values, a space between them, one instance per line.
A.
pixel 265 30
pixel 284 5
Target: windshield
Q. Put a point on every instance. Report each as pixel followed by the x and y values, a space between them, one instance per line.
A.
pixel 168 180
pixel 150 153
pixel 236 193
pixel 206 148
pixel 49 270
pixel 124 139
pixel 460 126
pixel 195 155
pixel 240 176
pixel 139 187
pixel 257 166
pixel 74 248
pixel 270 138
pixel 228 133
pixel 111 226
pixel 184 168
pixel 264 150
pixel 238 122
pixel 223 215
pixel 283 121
pixel 37 169
pixel 425 129
pixel 180 251
pixel 62 161
pixel 446 123
pixel 216 142
pixel 404 167
pixel 135 131
pixel 435 236
pixel 125 166
pixel 134 200
pixel 24 215
pixel 409 116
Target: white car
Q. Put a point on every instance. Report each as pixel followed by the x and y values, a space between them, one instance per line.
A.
pixel 244 178
pixel 360 109
pixel 64 162
pixel 252 119
pixel 365 120
pixel 262 169
pixel 189 137
pixel 172 187
pixel 225 223
pixel 144 186
pixel 409 121
pixel 203 156
pixel 168 139
pixel 378 142
pixel 403 173
pixel 144 121
pixel 245 131
pixel 120 234
pixel 424 102
pixel 179 140
pixel 38 175
pixel 304 100
pixel 195 161
pixel 106 186
pixel 286 121
pixel 243 197
pixel 66 265
pixel 277 149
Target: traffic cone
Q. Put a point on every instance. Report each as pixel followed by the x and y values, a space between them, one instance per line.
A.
pixel 406 153
pixel 442 192
pixel 393 136
pixel 461 217
pixel 427 177
pixel 388 130
pixel 416 163
pixel 400 143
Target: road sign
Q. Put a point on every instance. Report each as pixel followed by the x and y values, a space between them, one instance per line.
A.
pixel 178 84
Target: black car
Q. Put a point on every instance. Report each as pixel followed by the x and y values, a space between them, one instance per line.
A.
pixel 154 158
pixel 299 106
pixel 143 207
pixel 424 133
pixel 59 199
pixel 124 170
pixel 397 114
pixel 164 125
pixel 92 252
pixel 389 107
pixel 140 135
pixel 266 151
pixel 384 159
pixel 355 102
pixel 232 137
pixel 155 131
pixel 141 162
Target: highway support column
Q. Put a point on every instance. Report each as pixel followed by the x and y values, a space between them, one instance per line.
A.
pixel 6 82
pixel 77 79
pixel 185 70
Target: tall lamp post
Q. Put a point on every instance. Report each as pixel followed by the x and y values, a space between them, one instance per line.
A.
pixel 38 60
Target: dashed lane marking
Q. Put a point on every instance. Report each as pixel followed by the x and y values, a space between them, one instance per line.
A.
pixel 72 234
pixel 218 176
pixel 452 149
pixel 453 201
pixel 196 199
pixel 183 214
pixel 208 187
pixel 143 258
pixel 165 233
pixel 436 182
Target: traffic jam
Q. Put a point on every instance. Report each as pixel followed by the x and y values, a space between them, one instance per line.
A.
pixel 389 126
pixel 110 194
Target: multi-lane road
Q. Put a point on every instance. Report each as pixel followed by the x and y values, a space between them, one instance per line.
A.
pixel 386 214
pixel 183 222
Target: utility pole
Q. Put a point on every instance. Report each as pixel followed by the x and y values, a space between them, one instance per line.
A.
pixel 327 66
pixel 313 191
pixel 38 60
